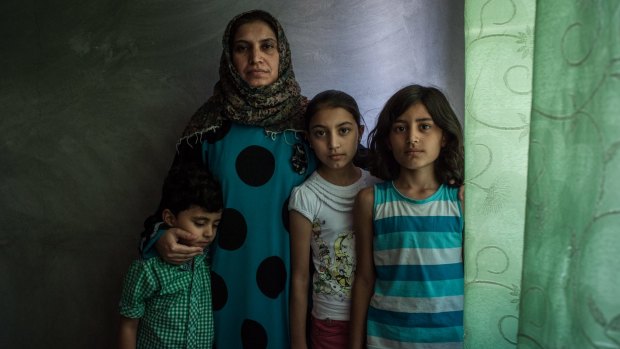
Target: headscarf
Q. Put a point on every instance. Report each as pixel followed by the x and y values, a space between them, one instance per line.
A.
pixel 276 107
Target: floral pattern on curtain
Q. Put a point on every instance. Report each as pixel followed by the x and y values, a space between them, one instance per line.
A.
pixel 498 66
pixel 571 263
pixel 542 121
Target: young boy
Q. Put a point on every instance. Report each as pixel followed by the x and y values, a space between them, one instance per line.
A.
pixel 165 305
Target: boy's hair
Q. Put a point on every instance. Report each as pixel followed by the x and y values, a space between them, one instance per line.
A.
pixel 190 185
pixel 332 99
pixel 449 166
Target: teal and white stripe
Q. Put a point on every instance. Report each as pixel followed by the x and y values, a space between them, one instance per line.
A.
pixel 418 296
pixel 418 304
pixel 419 256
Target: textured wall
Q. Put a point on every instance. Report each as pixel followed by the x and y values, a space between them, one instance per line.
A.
pixel 93 95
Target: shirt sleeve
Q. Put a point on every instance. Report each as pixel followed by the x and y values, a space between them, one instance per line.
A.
pixel 303 201
pixel 139 285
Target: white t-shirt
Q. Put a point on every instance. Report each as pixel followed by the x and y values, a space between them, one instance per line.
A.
pixel 329 208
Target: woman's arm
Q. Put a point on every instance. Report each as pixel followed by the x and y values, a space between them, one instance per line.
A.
pixel 301 233
pixel 127 334
pixel 364 282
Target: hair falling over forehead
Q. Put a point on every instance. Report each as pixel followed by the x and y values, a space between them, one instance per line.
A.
pixel 449 166
pixel 332 99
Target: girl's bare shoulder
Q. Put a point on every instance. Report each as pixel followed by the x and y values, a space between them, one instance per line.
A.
pixel 366 196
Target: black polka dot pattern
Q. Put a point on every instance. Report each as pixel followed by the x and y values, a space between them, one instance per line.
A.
pixel 214 136
pixel 232 231
pixel 219 291
pixel 250 260
pixel 285 216
pixel 253 335
pixel 255 165
pixel 271 276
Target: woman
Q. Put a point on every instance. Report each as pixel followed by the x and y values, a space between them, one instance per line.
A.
pixel 248 135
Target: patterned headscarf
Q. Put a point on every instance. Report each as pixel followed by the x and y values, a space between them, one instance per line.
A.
pixel 276 107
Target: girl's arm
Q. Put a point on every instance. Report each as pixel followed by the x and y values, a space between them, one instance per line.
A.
pixel 364 282
pixel 127 334
pixel 301 233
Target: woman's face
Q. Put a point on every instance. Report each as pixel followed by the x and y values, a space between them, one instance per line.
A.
pixel 255 54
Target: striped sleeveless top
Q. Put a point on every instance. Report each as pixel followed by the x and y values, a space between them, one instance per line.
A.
pixel 418 295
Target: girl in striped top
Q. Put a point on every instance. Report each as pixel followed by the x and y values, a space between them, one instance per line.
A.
pixel 408 288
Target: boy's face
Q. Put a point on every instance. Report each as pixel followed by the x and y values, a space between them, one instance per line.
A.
pixel 201 223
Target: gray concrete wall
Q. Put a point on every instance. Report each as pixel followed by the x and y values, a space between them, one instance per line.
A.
pixel 93 95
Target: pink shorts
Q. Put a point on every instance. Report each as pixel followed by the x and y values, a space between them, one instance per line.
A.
pixel 329 334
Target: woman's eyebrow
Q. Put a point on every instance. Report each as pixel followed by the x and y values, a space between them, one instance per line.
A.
pixel 260 40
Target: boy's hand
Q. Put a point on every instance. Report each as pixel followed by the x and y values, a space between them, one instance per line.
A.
pixel 172 250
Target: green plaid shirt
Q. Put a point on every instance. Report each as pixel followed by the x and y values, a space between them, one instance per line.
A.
pixel 173 303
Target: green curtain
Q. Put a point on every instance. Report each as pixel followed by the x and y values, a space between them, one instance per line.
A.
pixel 498 78
pixel 542 121
pixel 571 263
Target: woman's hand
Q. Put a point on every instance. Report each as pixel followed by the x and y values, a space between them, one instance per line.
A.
pixel 171 249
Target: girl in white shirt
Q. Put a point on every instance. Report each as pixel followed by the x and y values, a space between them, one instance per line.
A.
pixel 321 223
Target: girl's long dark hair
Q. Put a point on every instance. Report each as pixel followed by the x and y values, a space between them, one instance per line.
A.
pixel 449 166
